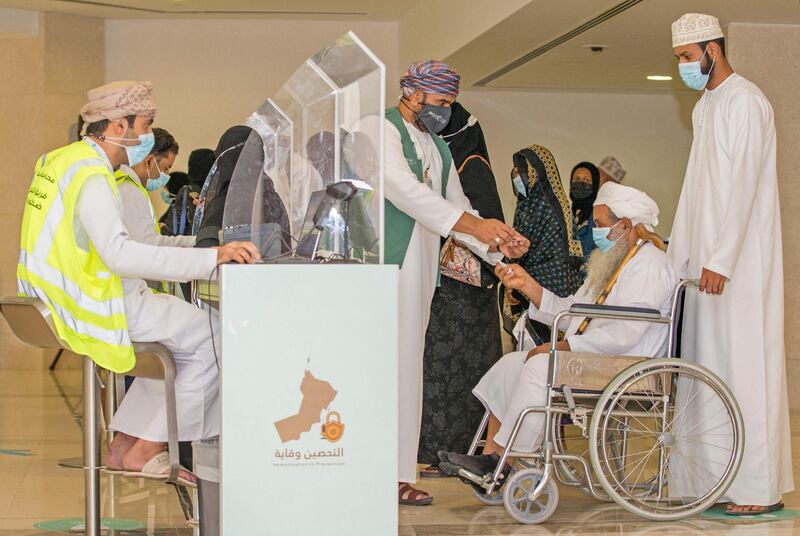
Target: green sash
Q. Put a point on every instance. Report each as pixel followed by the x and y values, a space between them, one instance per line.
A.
pixel 398 225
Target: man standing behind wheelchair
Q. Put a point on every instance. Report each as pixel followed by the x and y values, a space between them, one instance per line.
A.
pixel 727 233
pixel 645 279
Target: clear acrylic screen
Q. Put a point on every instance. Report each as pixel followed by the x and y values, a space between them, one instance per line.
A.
pixel 323 127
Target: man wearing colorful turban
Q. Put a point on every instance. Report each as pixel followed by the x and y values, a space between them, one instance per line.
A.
pixel 424 202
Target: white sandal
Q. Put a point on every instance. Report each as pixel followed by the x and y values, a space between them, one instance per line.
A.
pixel 157 468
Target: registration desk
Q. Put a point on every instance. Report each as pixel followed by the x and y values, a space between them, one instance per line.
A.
pixel 309 399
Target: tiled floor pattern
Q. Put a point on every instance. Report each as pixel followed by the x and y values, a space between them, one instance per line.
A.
pixel 37 413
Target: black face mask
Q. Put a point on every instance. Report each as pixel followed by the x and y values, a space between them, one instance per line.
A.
pixel 581 190
pixel 433 118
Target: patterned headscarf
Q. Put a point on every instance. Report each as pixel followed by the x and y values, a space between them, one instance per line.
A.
pixel 430 76
pixel 117 100
pixel 544 217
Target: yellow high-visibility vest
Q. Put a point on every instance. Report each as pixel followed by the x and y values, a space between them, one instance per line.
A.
pixel 84 296
pixel 121 177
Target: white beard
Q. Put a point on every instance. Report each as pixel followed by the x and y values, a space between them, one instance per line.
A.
pixel 601 267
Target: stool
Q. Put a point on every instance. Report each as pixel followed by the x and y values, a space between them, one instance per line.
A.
pixel 30 321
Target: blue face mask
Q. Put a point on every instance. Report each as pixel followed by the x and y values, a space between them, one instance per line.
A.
pixel 519 186
pixel 601 240
pixel 136 153
pixel 160 182
pixel 165 197
pixel 692 73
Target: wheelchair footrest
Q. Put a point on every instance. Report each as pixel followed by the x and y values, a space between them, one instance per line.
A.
pixel 471 477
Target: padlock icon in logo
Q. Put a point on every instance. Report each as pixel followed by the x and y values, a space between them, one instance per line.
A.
pixel 333 429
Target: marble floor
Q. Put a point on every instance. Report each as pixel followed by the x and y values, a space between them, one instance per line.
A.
pixel 40 416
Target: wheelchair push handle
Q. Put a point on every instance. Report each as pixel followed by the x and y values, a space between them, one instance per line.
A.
pixel 676 312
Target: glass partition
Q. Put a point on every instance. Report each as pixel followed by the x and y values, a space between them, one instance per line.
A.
pixel 308 184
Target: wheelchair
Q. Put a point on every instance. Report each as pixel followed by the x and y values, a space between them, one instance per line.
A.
pixel 661 437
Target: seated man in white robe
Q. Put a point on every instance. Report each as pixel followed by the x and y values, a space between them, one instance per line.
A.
pixel 519 380
pixel 86 249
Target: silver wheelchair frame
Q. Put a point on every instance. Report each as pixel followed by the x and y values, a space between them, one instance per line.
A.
pixel 561 402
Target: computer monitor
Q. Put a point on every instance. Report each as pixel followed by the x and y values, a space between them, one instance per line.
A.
pixel 268 237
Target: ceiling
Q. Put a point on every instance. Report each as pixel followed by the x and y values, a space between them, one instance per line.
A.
pixel 638 43
pixel 366 9
pixel 635 33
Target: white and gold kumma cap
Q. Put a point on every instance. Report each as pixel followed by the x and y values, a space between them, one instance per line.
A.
pixel 695 28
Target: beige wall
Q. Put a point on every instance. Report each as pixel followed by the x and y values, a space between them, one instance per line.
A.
pixel 208 75
pixel 46 71
pixel 424 36
pixel 579 126
pixel 769 55
pixel 211 74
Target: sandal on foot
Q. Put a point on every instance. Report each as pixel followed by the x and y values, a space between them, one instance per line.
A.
pixel 432 471
pixel 113 470
pixel 157 468
pixel 772 508
pixel 411 496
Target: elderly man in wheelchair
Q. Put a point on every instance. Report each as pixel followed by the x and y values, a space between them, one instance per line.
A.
pixel 631 275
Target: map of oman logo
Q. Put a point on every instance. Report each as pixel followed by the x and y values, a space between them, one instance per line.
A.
pixel 317 396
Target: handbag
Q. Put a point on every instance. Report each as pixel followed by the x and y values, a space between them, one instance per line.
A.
pixel 457 262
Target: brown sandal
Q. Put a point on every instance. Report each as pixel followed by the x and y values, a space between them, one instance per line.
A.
pixel 729 509
pixel 411 496
pixel 432 471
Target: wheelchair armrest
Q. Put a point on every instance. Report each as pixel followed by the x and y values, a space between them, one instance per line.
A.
pixel 595 310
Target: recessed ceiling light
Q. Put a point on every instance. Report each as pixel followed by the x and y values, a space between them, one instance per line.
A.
pixel 596 48
pixel 659 78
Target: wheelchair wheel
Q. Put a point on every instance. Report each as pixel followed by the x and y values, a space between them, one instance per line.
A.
pixel 493 499
pixel 522 504
pixel 496 497
pixel 677 443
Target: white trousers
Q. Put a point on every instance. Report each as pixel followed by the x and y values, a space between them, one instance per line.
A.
pixel 185 331
pixel 417 286
pixel 509 387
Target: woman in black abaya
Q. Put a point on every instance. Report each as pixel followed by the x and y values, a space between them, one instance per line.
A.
pixel 463 338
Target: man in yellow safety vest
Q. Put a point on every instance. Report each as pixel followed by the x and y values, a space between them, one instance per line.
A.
pixel 74 250
pixel 134 184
